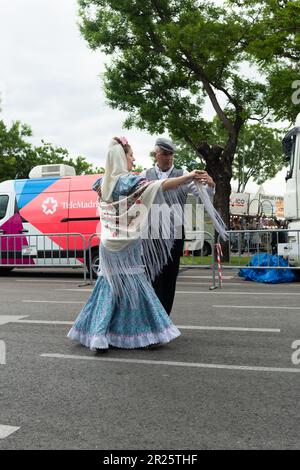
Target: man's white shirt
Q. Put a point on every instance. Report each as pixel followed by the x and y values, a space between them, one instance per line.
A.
pixel 162 175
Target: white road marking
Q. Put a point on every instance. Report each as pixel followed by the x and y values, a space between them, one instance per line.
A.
pixel 58 281
pixel 255 307
pixel 238 283
pixel 229 328
pixel 11 318
pixel 6 431
pixel 202 277
pixel 46 322
pixel 173 363
pixel 207 283
pixel 75 290
pixel 223 292
pixel 52 302
pixel 182 327
pixel 218 292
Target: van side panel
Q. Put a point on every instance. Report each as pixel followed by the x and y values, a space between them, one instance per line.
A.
pixel 47 210
pixel 83 207
pixel 11 224
pixel 49 205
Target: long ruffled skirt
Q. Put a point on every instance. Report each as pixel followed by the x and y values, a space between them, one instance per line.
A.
pixel 103 322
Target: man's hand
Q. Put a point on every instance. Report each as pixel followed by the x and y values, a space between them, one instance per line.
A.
pixel 203 177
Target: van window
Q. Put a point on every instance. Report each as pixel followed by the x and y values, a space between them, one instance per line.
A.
pixel 3 205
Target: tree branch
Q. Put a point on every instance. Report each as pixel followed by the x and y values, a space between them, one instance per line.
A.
pixel 209 90
pixel 262 118
pixel 204 149
pixel 157 6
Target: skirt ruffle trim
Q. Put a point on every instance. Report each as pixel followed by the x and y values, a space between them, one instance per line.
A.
pixel 103 341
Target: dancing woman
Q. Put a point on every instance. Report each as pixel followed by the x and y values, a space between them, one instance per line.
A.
pixel 123 310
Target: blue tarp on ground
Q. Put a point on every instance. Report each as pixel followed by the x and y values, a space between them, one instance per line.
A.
pixel 272 276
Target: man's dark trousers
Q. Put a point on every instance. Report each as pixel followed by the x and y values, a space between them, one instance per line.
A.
pixel 165 283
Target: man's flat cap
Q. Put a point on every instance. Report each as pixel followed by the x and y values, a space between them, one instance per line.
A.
pixel 166 144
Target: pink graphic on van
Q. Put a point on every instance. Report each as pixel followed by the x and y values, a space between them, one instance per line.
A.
pixel 11 247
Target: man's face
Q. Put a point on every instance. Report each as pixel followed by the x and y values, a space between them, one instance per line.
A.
pixel 164 159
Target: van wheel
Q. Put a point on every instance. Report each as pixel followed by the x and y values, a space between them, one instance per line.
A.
pixel 95 262
pixel 206 251
pixel 5 271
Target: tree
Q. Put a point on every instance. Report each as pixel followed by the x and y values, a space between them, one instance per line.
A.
pixel 47 153
pixel 18 156
pixel 138 168
pixel 273 40
pixel 168 58
pixel 187 157
pixel 258 154
pixel 13 148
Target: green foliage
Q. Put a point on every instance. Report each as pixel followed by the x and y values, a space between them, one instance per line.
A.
pixel 187 157
pixel 14 149
pixel 18 156
pixel 273 40
pixel 168 58
pixel 258 155
pixel 138 168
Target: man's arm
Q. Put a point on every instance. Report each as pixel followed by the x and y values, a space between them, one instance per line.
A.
pixel 173 183
pixel 211 190
pixel 209 185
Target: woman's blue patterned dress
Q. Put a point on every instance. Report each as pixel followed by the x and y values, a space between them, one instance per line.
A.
pixel 103 322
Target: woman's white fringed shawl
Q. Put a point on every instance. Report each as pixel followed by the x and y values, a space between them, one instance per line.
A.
pixel 115 166
pixel 149 215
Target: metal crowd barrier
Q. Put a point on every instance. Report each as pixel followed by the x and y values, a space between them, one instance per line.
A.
pixel 210 259
pixel 243 244
pixel 93 267
pixel 36 251
pixel 204 261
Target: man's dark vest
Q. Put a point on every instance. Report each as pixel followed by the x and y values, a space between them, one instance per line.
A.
pixel 152 175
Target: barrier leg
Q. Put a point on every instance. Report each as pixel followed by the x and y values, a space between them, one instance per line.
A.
pixel 214 286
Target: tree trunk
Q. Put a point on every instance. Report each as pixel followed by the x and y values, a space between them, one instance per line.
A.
pixel 219 167
pixel 222 177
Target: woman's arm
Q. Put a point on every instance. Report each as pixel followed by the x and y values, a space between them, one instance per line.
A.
pixel 97 186
pixel 173 183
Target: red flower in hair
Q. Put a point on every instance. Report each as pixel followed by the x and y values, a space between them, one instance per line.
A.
pixel 123 140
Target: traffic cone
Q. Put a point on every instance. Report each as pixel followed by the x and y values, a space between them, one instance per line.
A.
pixel 186 251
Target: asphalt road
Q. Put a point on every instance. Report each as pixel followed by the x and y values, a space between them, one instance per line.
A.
pixel 227 383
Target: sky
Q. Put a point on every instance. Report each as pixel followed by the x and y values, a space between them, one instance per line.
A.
pixel 51 80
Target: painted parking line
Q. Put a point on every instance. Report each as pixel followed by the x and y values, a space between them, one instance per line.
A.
pixel 6 431
pixel 254 307
pixel 174 364
pixel 182 327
